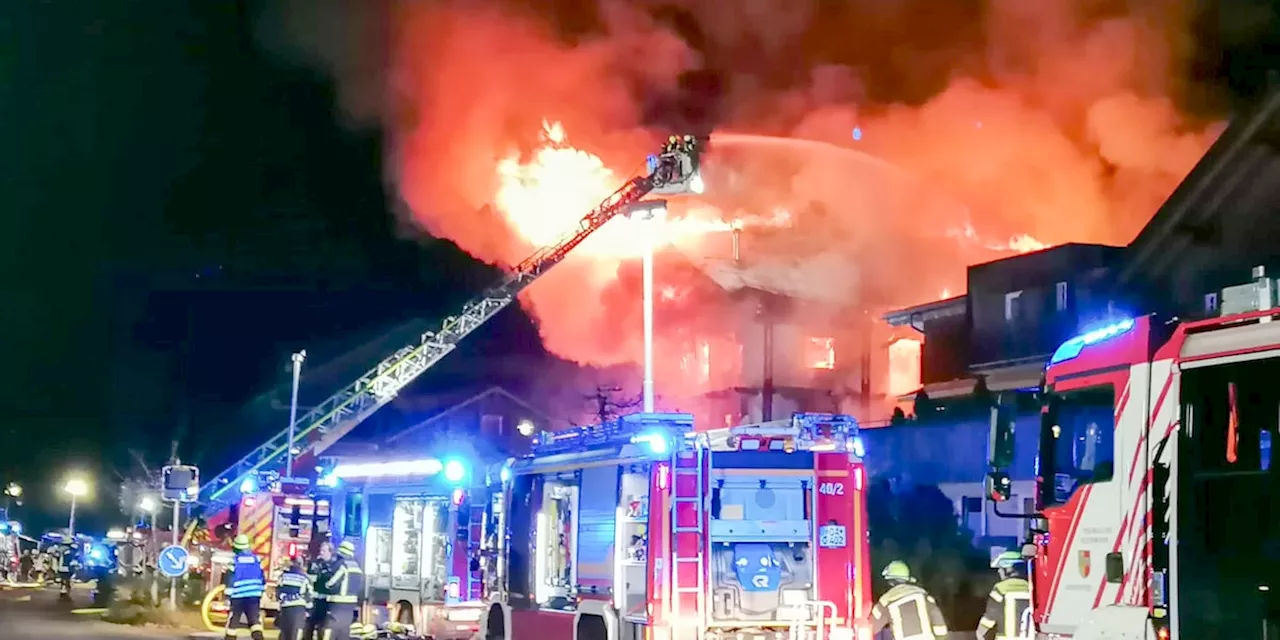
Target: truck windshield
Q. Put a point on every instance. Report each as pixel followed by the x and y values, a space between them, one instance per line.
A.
pixel 1078 442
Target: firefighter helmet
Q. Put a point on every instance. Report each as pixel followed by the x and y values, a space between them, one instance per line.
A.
pixel 1007 560
pixel 897 571
pixel 346 549
pixel 240 543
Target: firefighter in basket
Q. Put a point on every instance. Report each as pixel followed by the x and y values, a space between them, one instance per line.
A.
pixel 1009 607
pixel 245 585
pixel 292 592
pixel 906 609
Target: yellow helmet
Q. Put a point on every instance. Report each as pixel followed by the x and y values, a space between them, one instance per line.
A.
pixel 346 549
pixel 897 571
pixel 240 543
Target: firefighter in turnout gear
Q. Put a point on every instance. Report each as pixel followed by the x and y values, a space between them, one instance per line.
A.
pixel 245 586
pixel 66 565
pixel 906 609
pixel 345 587
pixel 292 593
pixel 318 571
pixel 1008 615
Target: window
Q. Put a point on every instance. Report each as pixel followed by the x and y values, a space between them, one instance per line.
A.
pixel 1013 306
pixel 1080 431
pixel 491 425
pixel 1211 304
pixel 1060 295
pixel 820 353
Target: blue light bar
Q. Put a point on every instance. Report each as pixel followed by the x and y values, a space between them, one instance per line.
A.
pixel 1072 348
pixel 628 429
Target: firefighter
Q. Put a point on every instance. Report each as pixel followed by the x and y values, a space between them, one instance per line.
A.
pixel 292 593
pixel 319 571
pixel 906 609
pixel 245 586
pixel 66 569
pixel 1010 601
pixel 346 588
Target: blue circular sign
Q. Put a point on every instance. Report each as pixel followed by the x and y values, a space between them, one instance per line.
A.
pixel 172 562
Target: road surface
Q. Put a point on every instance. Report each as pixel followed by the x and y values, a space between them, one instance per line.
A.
pixel 37 614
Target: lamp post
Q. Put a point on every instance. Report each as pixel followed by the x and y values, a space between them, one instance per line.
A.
pixel 12 492
pixel 77 488
pixel 297 359
pixel 650 212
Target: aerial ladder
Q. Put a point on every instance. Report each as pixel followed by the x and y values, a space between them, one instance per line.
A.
pixel 674 171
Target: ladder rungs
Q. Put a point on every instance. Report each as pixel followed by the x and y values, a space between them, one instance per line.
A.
pixel 688 589
pixel 687 559
pixel 687 500
pixel 688 530
pixel 686 470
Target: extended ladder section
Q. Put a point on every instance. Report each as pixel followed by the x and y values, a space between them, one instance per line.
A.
pixel 674 171
pixel 690 471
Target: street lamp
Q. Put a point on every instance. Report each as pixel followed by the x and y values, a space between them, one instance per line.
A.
pixel 650 212
pixel 14 490
pixel 77 488
pixel 297 359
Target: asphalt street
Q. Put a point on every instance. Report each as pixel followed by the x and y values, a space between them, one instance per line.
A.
pixel 37 614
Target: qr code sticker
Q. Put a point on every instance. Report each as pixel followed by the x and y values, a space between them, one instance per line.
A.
pixel 832 536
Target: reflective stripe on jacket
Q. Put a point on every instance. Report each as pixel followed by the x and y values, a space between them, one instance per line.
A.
pixel 246 579
pixel 1009 600
pixel 346 585
pixel 910 613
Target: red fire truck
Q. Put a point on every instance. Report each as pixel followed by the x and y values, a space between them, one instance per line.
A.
pixel 644 528
pixel 1158 509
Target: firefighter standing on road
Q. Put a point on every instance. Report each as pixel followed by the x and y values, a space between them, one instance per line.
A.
pixel 346 587
pixel 1010 601
pixel 245 586
pixel 292 594
pixel 319 571
pixel 906 609
pixel 66 568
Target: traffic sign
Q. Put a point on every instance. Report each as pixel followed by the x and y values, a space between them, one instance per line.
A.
pixel 181 483
pixel 173 562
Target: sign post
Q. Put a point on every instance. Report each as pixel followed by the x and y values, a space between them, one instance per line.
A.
pixel 181 483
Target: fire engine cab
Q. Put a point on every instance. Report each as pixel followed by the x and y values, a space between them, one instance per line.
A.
pixel 644 528
pixel 1158 506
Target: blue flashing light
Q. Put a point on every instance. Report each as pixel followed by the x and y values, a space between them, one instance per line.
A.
pixel 1072 348
pixel 16 527
pixel 857 133
pixel 859 449
pixel 655 440
pixel 454 471
pixel 4 528
pixel 328 480
pixel 250 485
pixel 505 474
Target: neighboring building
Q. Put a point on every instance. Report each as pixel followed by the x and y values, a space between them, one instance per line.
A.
pixel 1222 221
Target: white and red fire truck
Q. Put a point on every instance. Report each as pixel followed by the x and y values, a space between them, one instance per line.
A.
pixel 644 528
pixel 418 530
pixel 1158 509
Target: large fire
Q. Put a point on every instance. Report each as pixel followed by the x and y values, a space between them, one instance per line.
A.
pixel 1040 122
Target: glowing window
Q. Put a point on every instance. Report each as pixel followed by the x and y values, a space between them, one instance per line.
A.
pixel 820 353
pixel 704 361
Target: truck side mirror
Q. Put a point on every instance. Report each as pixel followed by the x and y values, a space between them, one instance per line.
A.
pixel 1000 444
pixel 999 488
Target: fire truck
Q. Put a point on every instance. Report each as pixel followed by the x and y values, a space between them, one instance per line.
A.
pixel 419 531
pixel 644 528
pixel 283 522
pixel 1157 503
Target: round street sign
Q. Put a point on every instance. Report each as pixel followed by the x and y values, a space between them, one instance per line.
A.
pixel 172 562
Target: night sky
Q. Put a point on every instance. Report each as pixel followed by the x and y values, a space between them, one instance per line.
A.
pixel 182 210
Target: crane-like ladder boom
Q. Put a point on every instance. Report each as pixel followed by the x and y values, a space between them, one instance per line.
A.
pixel 674 171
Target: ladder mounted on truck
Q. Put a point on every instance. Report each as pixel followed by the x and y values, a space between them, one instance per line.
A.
pixel 673 171
pixel 629 429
